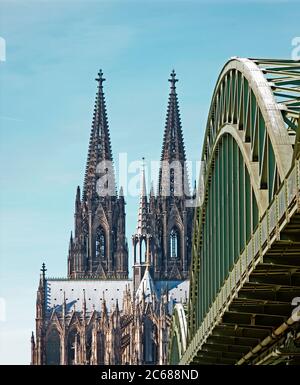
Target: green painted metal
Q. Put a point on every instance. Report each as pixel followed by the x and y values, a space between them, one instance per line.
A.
pixel 232 203
pixel 178 334
pixel 279 214
pixel 247 153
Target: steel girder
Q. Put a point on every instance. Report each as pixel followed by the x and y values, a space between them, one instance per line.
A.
pixel 178 334
pixel 250 145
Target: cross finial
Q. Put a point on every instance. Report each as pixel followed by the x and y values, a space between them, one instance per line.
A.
pixel 173 79
pixel 100 79
pixel 43 270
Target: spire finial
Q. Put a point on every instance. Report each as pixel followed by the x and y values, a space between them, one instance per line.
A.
pixel 173 79
pixel 43 270
pixel 100 79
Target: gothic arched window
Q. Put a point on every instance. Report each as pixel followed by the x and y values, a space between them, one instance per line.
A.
pixel 73 347
pixel 143 251
pixel 53 348
pixel 100 243
pixel 174 243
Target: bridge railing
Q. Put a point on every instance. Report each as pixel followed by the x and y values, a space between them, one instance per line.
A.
pixel 279 212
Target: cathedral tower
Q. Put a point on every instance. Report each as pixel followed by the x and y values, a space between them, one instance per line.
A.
pixel 97 315
pixel 99 248
pixel 174 212
pixel 163 237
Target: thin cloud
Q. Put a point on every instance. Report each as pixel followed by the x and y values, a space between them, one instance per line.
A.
pixel 10 118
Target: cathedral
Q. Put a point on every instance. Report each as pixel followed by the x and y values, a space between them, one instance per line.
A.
pixel 98 314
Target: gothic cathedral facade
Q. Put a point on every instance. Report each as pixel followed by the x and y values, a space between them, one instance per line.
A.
pixel 98 315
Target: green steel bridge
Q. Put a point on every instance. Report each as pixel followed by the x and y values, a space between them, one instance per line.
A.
pixel 245 271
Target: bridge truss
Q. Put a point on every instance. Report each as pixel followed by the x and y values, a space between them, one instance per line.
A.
pixel 245 271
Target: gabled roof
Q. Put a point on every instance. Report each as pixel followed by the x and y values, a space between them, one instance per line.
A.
pixel 146 288
pixel 75 290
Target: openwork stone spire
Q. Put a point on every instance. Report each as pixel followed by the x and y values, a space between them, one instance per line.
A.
pixel 99 145
pixel 173 147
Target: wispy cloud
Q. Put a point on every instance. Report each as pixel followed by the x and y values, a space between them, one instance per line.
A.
pixel 10 118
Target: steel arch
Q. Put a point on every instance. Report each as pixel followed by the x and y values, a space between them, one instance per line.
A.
pixel 247 97
pixel 255 107
pixel 178 334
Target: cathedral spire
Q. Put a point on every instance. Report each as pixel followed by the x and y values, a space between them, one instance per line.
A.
pixel 77 200
pixel 99 145
pixel 143 206
pixel 173 145
pixel 99 248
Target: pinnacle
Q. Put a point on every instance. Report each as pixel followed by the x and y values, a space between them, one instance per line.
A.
pixel 143 205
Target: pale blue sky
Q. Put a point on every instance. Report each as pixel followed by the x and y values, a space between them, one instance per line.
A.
pixel 47 89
